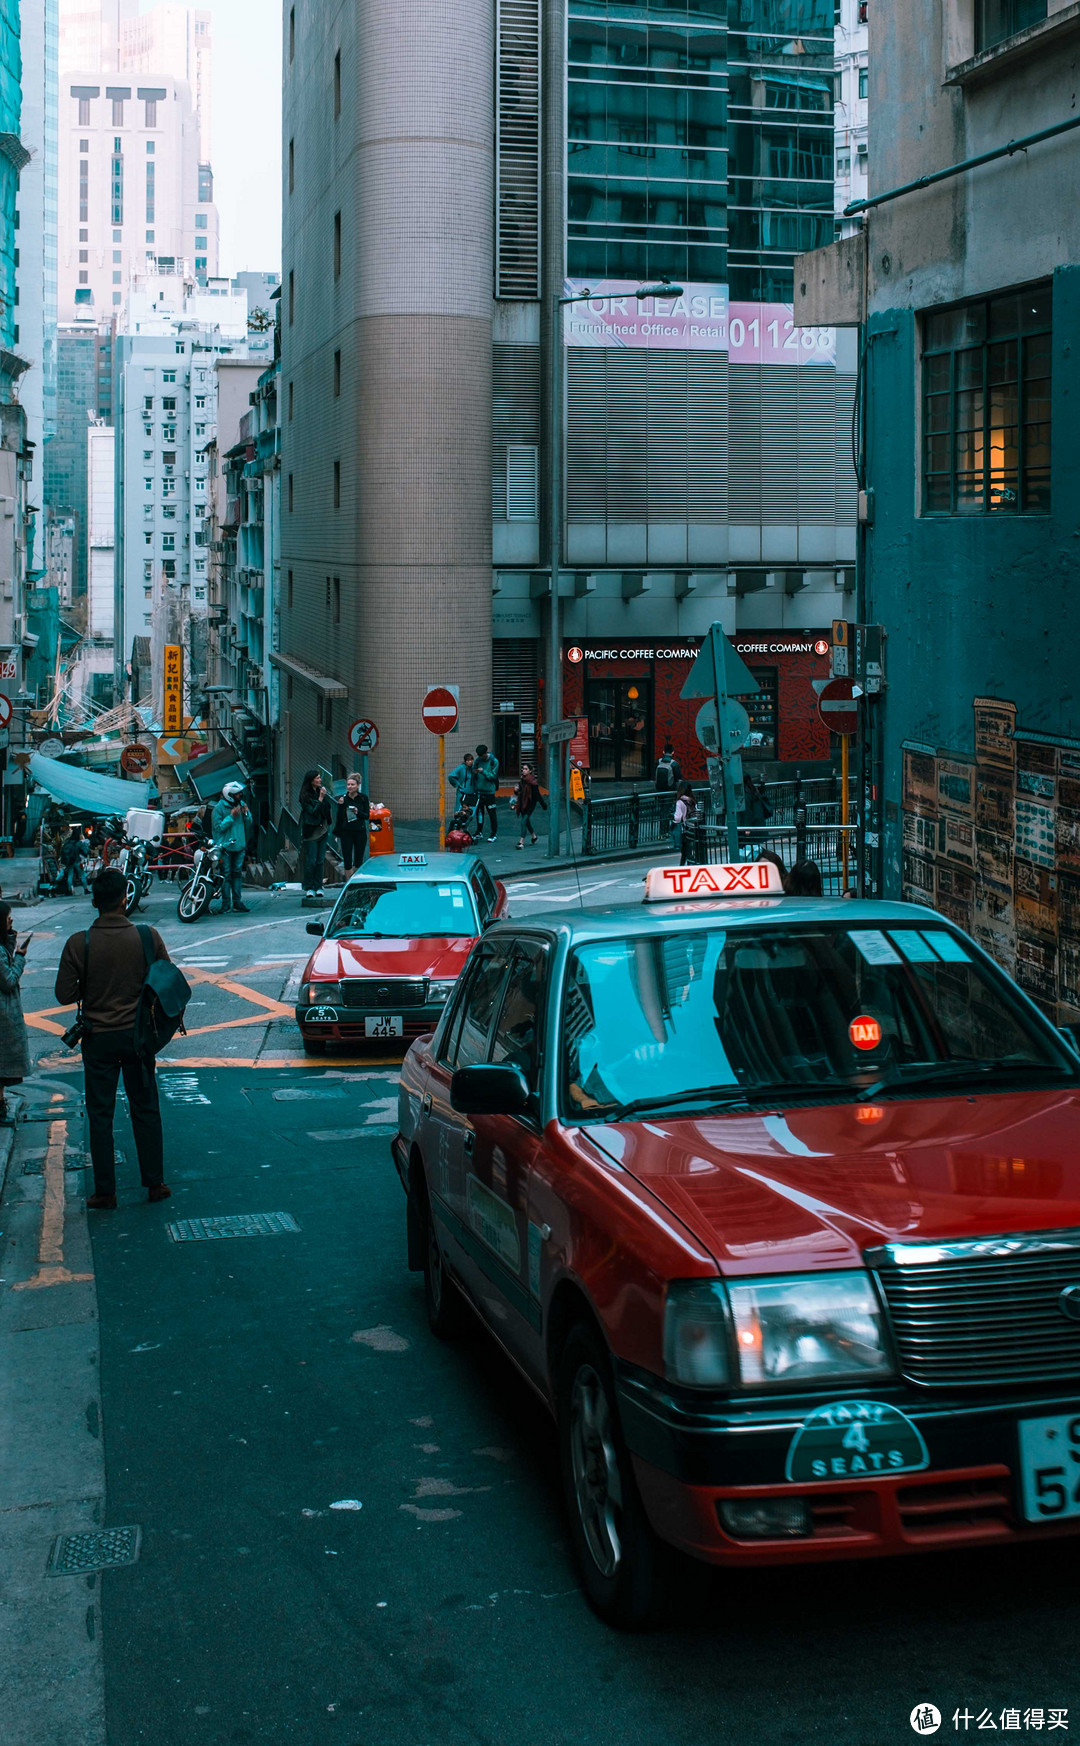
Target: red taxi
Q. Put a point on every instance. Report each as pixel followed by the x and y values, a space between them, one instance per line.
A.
pixel 776 1203
pixel 394 946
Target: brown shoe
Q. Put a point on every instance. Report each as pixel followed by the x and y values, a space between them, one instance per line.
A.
pixel 161 1192
pixel 101 1202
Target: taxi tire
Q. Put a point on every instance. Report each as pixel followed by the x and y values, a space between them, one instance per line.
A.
pixel 442 1299
pixel 652 1584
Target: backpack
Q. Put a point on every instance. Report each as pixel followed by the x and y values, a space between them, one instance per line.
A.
pixel 165 994
pixel 665 775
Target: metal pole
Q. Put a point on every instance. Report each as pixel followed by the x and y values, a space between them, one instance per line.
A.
pixel 845 741
pixel 553 699
pixel 730 815
pixel 442 791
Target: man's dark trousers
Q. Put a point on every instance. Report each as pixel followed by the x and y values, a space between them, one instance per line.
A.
pixel 107 1054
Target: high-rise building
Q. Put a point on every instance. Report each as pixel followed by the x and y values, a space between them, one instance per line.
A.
pixel 84 394
pixel 36 271
pixel 178 40
pixel 707 455
pixel 852 105
pixel 170 337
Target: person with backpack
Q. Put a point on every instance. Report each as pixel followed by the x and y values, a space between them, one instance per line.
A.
pixel 668 770
pixel 686 807
pixel 105 970
pixel 351 824
pixel 487 783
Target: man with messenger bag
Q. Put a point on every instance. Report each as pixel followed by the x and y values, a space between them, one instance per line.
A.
pixel 131 1001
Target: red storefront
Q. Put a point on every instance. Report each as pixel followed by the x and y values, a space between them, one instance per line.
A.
pixel 628 691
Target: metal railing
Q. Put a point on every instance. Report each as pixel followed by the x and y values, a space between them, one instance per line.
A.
pixel 637 821
pixel 821 843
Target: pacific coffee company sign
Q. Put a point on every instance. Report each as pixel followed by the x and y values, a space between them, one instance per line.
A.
pixel 688 651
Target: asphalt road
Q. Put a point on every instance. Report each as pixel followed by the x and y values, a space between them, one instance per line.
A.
pixel 353 1533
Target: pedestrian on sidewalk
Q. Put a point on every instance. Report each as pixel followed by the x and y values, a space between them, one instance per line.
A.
pixel 229 823
pixel 73 852
pixel 487 783
pixel 668 770
pixel 14 1049
pixel 351 825
pixel 685 807
pixel 527 797
pixel 462 779
pixel 104 969
pixel 315 819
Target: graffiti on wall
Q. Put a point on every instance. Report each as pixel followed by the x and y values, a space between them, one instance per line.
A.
pixel 992 840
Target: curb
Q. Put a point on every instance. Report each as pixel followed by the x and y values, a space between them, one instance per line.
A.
pixel 7 1142
pixel 566 863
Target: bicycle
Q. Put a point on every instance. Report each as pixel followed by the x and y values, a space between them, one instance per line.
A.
pixel 205 887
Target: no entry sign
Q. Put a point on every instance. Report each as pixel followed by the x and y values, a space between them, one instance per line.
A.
pixel 5 710
pixel 838 706
pixel 363 736
pixel 439 711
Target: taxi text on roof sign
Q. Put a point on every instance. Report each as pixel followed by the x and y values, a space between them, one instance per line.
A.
pixel 412 860
pixel 717 879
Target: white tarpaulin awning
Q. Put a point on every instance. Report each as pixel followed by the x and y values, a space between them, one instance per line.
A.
pixel 85 789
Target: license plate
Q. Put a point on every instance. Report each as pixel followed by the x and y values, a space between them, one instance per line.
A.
pixel 383 1026
pixel 1050 1467
pixel 322 1015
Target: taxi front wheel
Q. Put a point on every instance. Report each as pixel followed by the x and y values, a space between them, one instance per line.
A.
pixel 631 1577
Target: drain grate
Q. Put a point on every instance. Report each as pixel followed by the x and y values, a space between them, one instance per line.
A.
pixel 233 1225
pixel 101 1549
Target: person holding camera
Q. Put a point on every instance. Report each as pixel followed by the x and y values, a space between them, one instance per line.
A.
pixel 229 822
pixel 14 1048
pixel 103 968
pixel 315 819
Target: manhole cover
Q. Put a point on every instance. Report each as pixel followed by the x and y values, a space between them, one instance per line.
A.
pixel 233 1225
pixel 102 1549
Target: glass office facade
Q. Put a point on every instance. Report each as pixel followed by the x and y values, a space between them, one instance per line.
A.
pixel 699 140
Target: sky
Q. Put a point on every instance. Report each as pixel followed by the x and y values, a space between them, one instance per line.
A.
pixel 247 131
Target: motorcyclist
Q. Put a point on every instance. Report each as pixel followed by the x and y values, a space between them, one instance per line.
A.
pixel 231 818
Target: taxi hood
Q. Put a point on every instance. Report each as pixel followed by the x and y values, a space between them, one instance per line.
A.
pixel 404 955
pixel 798 1189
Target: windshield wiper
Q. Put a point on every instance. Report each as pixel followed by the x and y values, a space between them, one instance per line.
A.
pixel 960 1072
pixel 713 1096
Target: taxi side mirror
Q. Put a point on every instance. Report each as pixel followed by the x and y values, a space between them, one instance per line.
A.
pixel 484 1089
pixel 316 927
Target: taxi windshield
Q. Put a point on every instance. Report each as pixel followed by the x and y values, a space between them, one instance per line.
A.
pixel 380 908
pixel 716 1016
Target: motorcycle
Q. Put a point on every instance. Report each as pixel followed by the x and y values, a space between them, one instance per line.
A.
pixel 131 862
pixel 204 887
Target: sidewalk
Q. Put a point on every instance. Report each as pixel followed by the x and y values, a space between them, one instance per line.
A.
pixel 505 860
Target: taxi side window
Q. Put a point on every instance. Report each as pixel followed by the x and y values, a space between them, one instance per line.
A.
pixel 468 1038
pixel 483 906
pixel 487 886
pixel 517 1032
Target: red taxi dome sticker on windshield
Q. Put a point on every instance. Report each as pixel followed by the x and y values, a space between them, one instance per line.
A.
pixel 717 879
pixel 865 1031
pixel 854 1439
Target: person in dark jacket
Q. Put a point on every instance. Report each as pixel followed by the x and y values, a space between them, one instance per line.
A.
pixel 108 980
pixel 351 824
pixel 14 1049
pixel 668 770
pixel 73 852
pixel 315 820
pixel 487 783
pixel 527 797
pixel 757 807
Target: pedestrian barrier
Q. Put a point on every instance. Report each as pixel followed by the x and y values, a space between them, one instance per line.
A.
pixel 636 821
pixel 820 843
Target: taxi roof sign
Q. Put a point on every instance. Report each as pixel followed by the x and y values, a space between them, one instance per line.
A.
pixel 715 879
pixel 412 859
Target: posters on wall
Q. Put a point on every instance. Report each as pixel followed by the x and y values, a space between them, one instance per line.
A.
pixel 993 841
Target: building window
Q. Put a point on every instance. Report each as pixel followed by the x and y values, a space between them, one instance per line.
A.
pixel 292 296
pixel 337 374
pixel 996 20
pixel 290 402
pixel 200 221
pixel 84 254
pixel 986 405
pixel 292 165
pixel 292 34
pixel 117 187
pixel 200 264
pixel 150 118
pixel 337 484
pixel 149 236
pixel 337 599
pixel 288 591
pixel 337 245
pixel 84 112
pixel 150 148
pixel 150 168
pixel 84 278
pixel 337 84
pixel 864 81
pixel 290 493
pixel 168 542
pixel 84 145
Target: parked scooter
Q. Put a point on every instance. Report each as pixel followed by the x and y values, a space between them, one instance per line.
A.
pixel 204 887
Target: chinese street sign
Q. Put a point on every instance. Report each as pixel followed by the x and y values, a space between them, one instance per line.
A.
pixel 173 714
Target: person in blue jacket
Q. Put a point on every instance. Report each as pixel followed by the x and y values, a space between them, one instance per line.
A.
pixel 229 827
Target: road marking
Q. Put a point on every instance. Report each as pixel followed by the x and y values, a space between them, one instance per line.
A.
pixel 280 1063
pixel 51 1269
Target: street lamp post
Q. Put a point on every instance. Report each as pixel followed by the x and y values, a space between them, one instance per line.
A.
pixel 554 706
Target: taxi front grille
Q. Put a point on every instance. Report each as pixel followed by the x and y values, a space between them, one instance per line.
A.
pixel 985 1312
pixel 390 994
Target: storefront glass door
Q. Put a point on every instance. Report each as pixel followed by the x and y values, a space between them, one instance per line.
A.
pixel 620 729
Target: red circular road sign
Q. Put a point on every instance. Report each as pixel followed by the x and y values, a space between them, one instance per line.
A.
pixel 135 760
pixel 838 707
pixel 5 710
pixel 363 736
pixel 439 711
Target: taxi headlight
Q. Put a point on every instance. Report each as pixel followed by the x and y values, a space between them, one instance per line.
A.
pixel 322 994
pixel 439 993
pixel 807 1330
pixel 696 1334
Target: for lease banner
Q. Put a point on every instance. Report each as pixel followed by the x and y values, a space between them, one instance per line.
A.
pixel 700 319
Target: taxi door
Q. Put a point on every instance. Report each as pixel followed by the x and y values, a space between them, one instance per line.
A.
pixel 504 1246
pixel 447 1139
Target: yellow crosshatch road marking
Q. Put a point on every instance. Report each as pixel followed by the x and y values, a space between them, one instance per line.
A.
pixel 267 1007
pixel 51 1269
